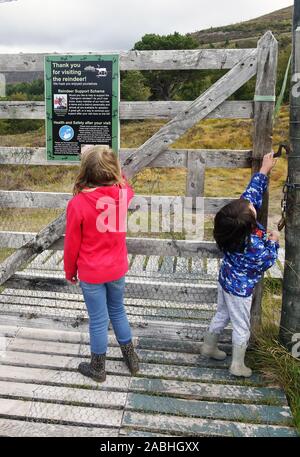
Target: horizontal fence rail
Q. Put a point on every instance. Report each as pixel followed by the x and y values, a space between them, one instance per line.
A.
pixel 172 158
pixel 133 110
pixel 58 200
pixel 194 59
pixel 143 246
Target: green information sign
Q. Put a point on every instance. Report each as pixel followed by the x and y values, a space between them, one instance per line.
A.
pixel 82 104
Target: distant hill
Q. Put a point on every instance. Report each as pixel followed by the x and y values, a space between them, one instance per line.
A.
pixel 240 35
pixel 246 34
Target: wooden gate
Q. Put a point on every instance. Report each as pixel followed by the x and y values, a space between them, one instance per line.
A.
pixel 242 65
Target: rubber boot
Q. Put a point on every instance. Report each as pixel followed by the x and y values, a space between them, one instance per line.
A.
pixel 238 367
pixel 209 347
pixel 95 369
pixel 130 357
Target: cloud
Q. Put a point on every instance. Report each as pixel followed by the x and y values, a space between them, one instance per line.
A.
pixel 95 25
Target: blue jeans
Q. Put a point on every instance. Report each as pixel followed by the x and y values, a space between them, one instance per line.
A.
pixel 105 302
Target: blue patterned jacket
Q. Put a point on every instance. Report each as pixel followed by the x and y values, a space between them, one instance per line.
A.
pixel 241 271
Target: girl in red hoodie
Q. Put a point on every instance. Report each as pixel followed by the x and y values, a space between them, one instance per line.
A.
pixel 95 252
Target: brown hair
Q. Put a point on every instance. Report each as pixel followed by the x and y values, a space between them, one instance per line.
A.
pixel 233 226
pixel 99 167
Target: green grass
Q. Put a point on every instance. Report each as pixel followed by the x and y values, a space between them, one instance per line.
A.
pixel 269 357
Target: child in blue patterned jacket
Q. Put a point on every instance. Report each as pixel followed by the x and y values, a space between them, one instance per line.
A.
pixel 248 252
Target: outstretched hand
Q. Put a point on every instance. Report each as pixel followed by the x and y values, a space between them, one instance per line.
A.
pixel 268 163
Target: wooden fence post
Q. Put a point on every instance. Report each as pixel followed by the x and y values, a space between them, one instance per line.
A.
pixel 264 102
pixel 194 186
pixel 2 85
pixel 195 175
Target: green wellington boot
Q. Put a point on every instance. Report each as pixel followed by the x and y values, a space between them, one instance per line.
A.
pixel 238 367
pixel 210 348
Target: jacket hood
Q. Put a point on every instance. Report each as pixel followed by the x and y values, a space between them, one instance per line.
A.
pixel 111 195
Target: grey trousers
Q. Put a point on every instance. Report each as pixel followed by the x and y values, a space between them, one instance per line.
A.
pixel 235 310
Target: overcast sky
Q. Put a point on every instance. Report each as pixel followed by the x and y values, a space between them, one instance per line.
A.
pixel 92 25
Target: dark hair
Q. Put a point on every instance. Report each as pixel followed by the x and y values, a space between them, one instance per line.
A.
pixel 233 226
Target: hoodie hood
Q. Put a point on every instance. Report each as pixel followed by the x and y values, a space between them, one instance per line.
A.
pixel 110 195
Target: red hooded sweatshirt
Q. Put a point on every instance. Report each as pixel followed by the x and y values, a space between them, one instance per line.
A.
pixel 95 240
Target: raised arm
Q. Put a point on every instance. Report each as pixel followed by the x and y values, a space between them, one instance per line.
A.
pixel 259 182
pixel 256 189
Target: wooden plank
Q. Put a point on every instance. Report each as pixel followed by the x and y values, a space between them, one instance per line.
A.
pixel 167 266
pixel 61 394
pixel 152 266
pixel 17 428
pixel 62 413
pixel 135 315
pixel 202 293
pixel 145 355
pixel 262 138
pixel 168 371
pixel 63 299
pixel 195 175
pixel 198 266
pixel 58 348
pixel 202 427
pixel 39 259
pixel 2 85
pixel 141 433
pixel 35 360
pixel 139 246
pixel 14 305
pixel 277 415
pixel 114 353
pixel 174 158
pixel 213 266
pixel 137 264
pixel 154 329
pixel 65 336
pixel 182 267
pixel 201 374
pixel 59 200
pixel 209 391
pixel 38 243
pixel 60 323
pixel 131 110
pixel 199 109
pixel 141 60
pixel 61 378
pixel 71 336
pixel 169 109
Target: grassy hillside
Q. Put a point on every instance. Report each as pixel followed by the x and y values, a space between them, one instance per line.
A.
pixel 244 34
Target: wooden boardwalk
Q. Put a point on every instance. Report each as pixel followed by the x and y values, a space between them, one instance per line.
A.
pixel 177 392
